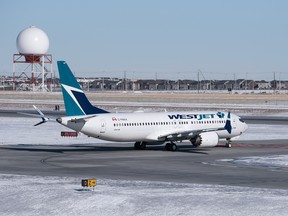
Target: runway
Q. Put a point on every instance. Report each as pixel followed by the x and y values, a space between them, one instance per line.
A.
pixel 188 165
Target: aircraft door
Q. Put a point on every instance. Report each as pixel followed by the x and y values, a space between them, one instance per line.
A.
pixel 175 123
pixel 234 122
pixel 102 126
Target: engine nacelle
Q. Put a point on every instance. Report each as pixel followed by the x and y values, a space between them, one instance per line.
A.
pixel 206 139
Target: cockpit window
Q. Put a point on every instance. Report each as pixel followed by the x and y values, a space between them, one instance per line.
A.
pixel 241 120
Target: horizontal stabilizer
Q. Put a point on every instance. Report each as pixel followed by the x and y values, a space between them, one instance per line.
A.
pixel 40 115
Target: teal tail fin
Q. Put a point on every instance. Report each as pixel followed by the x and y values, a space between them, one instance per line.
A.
pixel 76 102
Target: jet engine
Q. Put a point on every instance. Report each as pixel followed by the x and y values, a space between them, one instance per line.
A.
pixel 206 139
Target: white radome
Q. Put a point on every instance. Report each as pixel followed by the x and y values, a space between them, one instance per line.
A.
pixel 32 40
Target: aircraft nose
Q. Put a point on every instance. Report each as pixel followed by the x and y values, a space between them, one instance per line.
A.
pixel 59 120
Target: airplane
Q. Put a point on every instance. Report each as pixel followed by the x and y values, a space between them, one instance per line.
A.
pixel 202 129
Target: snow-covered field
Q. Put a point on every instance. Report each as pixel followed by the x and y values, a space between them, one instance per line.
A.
pixel 32 195
pixel 35 195
pixel 21 131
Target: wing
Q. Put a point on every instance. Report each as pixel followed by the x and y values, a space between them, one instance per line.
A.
pixel 187 134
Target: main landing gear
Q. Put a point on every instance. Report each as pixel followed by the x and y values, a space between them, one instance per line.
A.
pixel 171 147
pixel 140 145
pixel 228 143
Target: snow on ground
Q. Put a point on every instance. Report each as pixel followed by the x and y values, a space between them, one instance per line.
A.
pixel 21 131
pixel 273 161
pixel 32 195
pixel 265 132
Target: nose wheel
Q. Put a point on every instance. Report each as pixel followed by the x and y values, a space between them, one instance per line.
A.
pixel 171 147
pixel 228 143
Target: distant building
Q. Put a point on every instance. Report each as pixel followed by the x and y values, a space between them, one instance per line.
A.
pixel 120 84
pixel 263 84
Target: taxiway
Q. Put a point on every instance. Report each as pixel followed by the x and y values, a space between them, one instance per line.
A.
pixel 188 165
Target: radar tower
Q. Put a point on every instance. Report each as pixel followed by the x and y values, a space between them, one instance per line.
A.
pixel 32 44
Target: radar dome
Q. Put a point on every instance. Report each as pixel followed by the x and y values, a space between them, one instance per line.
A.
pixel 32 40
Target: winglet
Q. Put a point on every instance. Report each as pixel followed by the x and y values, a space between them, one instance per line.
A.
pixel 39 111
pixel 228 126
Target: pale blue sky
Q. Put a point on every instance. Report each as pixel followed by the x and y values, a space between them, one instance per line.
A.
pixel 171 38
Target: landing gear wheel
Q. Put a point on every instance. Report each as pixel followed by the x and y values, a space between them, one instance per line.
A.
pixel 170 147
pixel 137 145
pixel 228 143
pixel 142 146
pixel 173 147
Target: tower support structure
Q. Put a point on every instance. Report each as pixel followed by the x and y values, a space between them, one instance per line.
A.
pixel 33 72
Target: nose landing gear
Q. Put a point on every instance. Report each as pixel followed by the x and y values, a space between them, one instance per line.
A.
pixel 228 143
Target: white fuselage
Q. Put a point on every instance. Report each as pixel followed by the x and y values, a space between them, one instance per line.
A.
pixel 149 127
